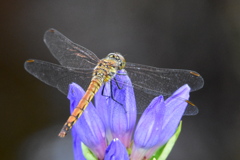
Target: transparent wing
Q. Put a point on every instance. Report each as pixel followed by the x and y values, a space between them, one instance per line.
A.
pixel 68 53
pixel 146 86
pixel 162 81
pixel 150 82
pixel 143 99
pixel 58 76
pixel 78 62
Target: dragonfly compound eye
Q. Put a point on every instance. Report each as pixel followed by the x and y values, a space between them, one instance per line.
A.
pixel 122 61
pixel 119 58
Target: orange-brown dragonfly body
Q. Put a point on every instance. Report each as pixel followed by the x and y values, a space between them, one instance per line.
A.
pixel 105 70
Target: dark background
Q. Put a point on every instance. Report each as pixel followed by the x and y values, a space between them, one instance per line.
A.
pixel 201 35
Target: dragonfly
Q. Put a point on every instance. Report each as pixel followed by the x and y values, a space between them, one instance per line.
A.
pixel 82 66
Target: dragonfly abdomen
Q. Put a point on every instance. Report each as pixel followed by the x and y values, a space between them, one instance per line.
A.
pixel 82 105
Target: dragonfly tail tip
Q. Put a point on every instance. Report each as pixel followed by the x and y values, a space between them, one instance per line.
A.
pixel 62 134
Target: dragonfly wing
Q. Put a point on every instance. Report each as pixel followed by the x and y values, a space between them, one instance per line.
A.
pixel 143 98
pixel 58 76
pixel 149 82
pixel 191 110
pixel 68 53
pixel 162 81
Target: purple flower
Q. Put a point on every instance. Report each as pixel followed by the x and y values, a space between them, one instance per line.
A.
pixel 89 128
pixel 113 120
pixel 116 151
pixel 109 119
pixel 158 123
pixel 119 119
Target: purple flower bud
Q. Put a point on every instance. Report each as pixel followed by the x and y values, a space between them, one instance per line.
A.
pixel 116 151
pixel 89 128
pixel 158 123
pixel 116 106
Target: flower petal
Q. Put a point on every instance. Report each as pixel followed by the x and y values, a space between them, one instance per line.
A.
pixel 119 109
pixel 176 106
pixel 77 149
pixel 159 122
pixel 177 98
pixel 89 127
pixel 116 151
pixel 148 128
pixel 102 102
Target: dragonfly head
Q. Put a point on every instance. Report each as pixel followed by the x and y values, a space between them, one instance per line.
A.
pixel 119 58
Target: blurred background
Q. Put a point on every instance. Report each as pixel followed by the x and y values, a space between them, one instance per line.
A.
pixel 201 35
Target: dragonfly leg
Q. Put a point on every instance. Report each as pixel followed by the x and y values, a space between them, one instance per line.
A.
pixel 104 91
pixel 118 85
pixel 113 96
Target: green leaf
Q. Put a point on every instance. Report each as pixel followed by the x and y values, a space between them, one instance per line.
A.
pixel 163 152
pixel 87 153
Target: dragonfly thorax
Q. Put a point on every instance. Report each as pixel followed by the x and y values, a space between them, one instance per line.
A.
pixel 107 67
